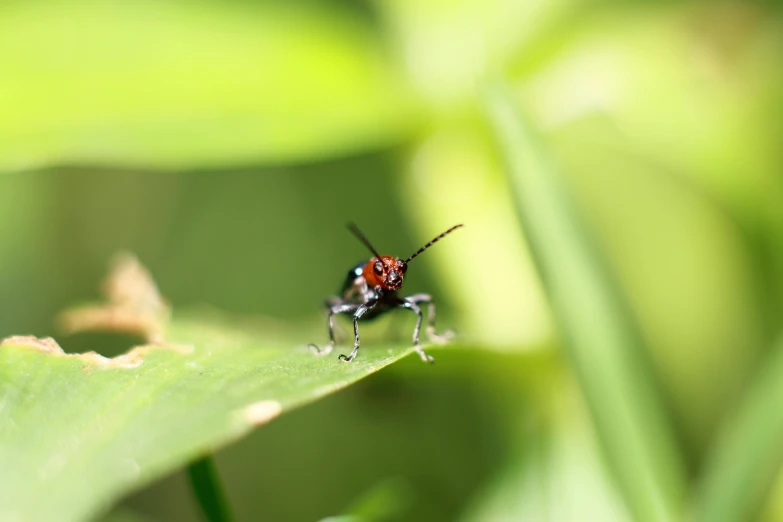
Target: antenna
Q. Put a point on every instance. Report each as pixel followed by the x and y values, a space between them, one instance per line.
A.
pixel 425 247
pixel 358 233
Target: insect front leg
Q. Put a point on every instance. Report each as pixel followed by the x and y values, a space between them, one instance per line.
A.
pixel 412 306
pixel 360 311
pixel 431 334
pixel 334 309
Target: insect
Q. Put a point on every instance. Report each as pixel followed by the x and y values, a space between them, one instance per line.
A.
pixel 371 290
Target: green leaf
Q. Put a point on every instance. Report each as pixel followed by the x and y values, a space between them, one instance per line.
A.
pixel 447 45
pixel 387 500
pixel 124 515
pixel 191 84
pixel 554 472
pixel 747 458
pixel 600 336
pixel 79 431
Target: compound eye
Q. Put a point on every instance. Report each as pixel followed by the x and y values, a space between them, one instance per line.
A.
pixel 403 266
pixel 378 268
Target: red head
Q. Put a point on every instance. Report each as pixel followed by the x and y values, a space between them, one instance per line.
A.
pixel 387 271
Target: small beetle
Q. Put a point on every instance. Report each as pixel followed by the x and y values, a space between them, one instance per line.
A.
pixel 371 290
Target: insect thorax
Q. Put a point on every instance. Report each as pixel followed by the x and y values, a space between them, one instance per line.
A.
pixel 355 289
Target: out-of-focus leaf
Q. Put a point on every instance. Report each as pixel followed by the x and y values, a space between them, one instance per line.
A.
pixel 773 508
pixel 599 334
pixel 749 451
pixel 190 84
pixel 386 501
pixel 124 515
pixel 713 65
pixel 447 45
pixel 697 292
pixel 456 177
pixel 556 474
pixel 612 83
pixel 77 431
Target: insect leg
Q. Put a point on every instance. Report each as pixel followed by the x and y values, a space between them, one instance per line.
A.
pixel 412 306
pixel 338 308
pixel 433 336
pixel 360 311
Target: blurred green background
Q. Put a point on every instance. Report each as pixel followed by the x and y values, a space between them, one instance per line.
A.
pixel 228 143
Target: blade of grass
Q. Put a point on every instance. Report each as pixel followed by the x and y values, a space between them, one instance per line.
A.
pixel 748 454
pixel 600 335
pixel 208 490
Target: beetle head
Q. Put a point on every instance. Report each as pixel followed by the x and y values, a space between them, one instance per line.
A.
pixel 385 271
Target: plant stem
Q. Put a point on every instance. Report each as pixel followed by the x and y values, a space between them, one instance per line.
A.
pixel 208 490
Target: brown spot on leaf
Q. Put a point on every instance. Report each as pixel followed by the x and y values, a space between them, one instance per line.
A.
pixel 47 344
pixel 133 304
pixel 262 412
pixel 132 359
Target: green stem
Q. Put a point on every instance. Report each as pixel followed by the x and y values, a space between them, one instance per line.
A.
pixel 208 490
